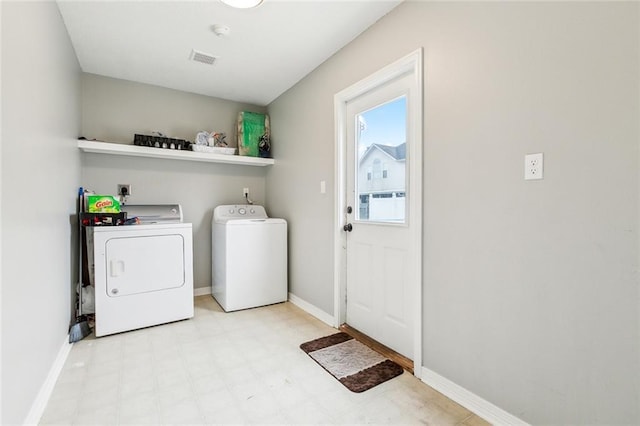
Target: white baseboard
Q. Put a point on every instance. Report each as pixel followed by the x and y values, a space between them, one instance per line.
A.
pixel 311 309
pixel 469 400
pixel 40 403
pixel 202 291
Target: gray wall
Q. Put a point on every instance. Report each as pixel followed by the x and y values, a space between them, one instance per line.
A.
pixel 303 143
pixel 531 294
pixel 40 176
pixel 114 110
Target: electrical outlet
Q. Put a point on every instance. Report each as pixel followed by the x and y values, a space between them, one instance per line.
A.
pixel 533 166
pixel 245 192
pixel 124 187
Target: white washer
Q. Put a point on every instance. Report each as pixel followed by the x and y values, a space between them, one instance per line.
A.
pixel 143 273
pixel 249 266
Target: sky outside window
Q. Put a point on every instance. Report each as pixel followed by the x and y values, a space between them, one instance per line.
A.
pixel 384 125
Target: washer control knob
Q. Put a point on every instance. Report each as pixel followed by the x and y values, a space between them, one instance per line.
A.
pixel 242 211
pixel 252 211
pixel 230 211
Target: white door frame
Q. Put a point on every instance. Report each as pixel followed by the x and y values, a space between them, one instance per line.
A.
pixel 411 63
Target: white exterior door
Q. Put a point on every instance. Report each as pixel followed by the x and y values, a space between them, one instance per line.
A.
pixel 381 217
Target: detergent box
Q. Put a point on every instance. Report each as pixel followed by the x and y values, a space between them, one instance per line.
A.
pixel 102 204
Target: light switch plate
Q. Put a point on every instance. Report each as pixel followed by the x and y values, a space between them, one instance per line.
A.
pixel 533 166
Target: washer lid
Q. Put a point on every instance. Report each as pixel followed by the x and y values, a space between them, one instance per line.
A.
pixel 254 222
pixel 154 213
pixel 238 211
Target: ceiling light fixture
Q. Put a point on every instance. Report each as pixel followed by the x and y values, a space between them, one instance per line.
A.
pixel 242 4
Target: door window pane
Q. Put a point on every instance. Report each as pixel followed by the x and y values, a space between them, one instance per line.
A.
pixel 381 140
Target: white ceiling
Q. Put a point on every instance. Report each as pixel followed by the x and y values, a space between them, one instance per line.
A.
pixel 269 48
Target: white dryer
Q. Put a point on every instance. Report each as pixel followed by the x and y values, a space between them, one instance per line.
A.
pixel 143 273
pixel 249 266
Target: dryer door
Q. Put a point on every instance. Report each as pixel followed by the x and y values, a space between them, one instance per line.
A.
pixel 143 264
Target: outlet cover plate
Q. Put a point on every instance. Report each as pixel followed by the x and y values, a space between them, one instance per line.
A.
pixel 533 166
pixel 124 185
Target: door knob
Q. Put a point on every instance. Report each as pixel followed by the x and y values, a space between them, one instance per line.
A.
pixel 348 227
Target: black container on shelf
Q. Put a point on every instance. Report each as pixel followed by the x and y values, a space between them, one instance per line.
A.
pixel 103 219
pixel 161 142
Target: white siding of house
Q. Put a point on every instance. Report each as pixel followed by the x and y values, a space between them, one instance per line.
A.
pixel 395 180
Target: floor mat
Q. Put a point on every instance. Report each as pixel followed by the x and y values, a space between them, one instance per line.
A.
pixel 355 365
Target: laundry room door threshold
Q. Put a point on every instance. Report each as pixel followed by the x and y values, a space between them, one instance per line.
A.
pixel 394 356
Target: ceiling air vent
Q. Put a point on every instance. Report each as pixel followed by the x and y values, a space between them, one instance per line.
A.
pixel 205 58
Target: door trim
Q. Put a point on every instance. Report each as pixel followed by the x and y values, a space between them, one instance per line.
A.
pixel 411 63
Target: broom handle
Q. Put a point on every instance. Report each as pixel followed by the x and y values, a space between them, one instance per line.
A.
pixel 80 251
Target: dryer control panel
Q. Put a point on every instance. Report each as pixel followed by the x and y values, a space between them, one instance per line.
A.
pixel 239 211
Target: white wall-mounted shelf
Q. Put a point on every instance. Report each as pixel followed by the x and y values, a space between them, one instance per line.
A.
pixel 169 154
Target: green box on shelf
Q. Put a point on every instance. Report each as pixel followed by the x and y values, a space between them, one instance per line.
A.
pixel 252 127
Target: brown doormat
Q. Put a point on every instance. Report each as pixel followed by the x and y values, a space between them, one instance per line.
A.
pixel 355 365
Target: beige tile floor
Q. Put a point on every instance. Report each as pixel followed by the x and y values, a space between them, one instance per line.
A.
pixel 229 368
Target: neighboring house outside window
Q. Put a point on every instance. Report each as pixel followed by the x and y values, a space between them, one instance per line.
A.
pixel 381 183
